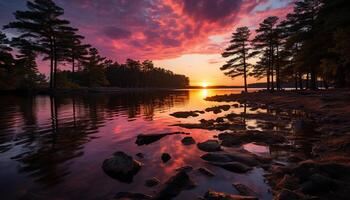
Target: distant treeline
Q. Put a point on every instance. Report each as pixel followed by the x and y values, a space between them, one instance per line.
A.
pixel 311 46
pixel 43 33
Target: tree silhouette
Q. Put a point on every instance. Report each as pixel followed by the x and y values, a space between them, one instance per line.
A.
pixel 239 49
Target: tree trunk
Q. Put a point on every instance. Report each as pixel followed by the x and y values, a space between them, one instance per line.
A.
pixel 51 66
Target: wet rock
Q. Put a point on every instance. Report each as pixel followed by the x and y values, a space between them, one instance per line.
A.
pixel 237 138
pixel 145 139
pixel 211 195
pixel 206 171
pixel 238 156
pixel 286 194
pixel 244 190
pixel 140 155
pixel 121 167
pixel 186 114
pixel 209 146
pixel 165 157
pixel 218 109
pixel 186 168
pixel 318 183
pixel 233 166
pixel 152 182
pixel 131 196
pixel 173 187
pixel 236 105
pixel 188 140
pixel 289 182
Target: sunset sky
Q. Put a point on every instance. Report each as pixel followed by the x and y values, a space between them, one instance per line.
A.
pixel 185 36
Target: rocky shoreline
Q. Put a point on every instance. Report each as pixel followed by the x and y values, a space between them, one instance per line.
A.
pixel 307 133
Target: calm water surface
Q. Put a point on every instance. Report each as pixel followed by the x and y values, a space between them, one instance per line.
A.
pixel 53 148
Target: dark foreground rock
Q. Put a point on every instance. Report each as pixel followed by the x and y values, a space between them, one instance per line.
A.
pixel 173 187
pixel 188 140
pixel 209 146
pixel 211 195
pixel 121 167
pixel 131 196
pixel 145 139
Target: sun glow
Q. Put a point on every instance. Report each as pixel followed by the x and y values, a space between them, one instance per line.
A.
pixel 205 84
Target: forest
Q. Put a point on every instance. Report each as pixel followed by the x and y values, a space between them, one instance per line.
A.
pixel 44 34
pixel 310 48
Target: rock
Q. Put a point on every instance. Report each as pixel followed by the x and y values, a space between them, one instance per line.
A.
pixel 218 109
pixel 243 157
pixel 317 184
pixel 233 166
pixel 236 105
pixel 171 188
pixel 286 194
pixel 131 196
pixel 237 138
pixel 165 157
pixel 140 155
pixel 209 146
pixel 206 171
pixel 289 182
pixel 244 190
pixel 121 167
pixel 186 168
pixel 188 140
pixel 186 114
pixel 211 195
pixel 152 182
pixel 143 139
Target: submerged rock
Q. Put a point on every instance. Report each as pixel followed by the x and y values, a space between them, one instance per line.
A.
pixel 145 139
pixel 209 146
pixel 173 187
pixel 233 166
pixel 131 196
pixel 121 167
pixel 188 140
pixel 165 157
pixel 206 171
pixel 211 195
pixel 140 155
pixel 152 182
pixel 185 114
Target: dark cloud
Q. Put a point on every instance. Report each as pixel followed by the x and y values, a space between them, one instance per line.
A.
pixel 116 32
pixel 211 10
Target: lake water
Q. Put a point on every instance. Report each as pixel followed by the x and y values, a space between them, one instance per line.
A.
pixel 53 148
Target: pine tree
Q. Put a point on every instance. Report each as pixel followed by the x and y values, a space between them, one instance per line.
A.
pixel 239 49
pixel 42 24
pixel 264 44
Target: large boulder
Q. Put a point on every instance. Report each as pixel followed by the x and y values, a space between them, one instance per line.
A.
pixel 121 167
pixel 211 195
pixel 173 187
pixel 209 146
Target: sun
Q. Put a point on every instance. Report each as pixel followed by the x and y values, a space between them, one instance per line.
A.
pixel 204 84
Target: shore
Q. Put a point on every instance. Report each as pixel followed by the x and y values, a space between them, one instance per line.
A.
pixel 325 172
